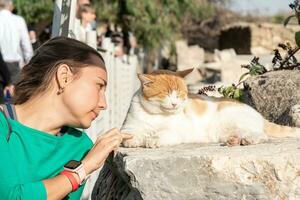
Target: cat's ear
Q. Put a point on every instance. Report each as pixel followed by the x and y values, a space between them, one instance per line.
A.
pixel 145 79
pixel 184 73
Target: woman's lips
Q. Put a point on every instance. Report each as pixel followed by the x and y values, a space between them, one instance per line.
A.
pixel 95 115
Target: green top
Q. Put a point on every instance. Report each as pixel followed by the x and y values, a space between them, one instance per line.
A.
pixel 31 156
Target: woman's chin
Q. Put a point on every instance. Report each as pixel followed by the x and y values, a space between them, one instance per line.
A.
pixel 86 124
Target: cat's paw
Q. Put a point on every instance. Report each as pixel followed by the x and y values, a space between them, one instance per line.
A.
pixel 133 143
pixel 152 142
pixel 233 140
pixel 254 139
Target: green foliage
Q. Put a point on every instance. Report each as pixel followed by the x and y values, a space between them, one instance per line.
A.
pixel 232 92
pixel 153 22
pixel 255 68
pixel 295 6
pixel 297 38
pixel 289 61
pixel 288 19
pixel 34 11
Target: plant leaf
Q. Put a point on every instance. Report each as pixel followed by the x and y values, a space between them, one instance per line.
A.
pixel 242 77
pixel 297 38
pixel 286 21
pixel 237 94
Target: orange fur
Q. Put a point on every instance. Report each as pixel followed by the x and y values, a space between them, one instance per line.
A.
pixel 224 103
pixel 198 105
pixel 163 84
pixel 279 131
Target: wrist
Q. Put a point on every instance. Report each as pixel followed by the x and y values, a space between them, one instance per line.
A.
pixel 72 179
pixel 77 169
pixel 87 167
pixel 76 176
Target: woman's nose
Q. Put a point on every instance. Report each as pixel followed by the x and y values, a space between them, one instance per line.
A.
pixel 102 102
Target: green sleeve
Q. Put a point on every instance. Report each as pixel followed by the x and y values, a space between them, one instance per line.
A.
pixel 9 186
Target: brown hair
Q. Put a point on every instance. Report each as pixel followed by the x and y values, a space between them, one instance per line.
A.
pixel 36 76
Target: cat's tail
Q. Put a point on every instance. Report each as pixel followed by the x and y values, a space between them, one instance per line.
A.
pixel 279 131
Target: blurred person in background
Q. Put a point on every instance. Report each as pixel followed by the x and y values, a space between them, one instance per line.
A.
pixel 15 44
pixel 33 38
pixel 87 15
pixel 117 39
pixel 4 79
pixel 133 46
pixel 80 3
pixel 103 31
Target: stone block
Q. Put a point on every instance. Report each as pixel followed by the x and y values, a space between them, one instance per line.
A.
pixel 188 56
pixel 201 172
pixel 225 55
pixel 276 95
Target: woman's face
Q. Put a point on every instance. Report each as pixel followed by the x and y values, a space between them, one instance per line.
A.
pixel 84 96
pixel 88 16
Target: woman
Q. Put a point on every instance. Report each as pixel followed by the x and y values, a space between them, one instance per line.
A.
pixel 60 89
pixel 87 16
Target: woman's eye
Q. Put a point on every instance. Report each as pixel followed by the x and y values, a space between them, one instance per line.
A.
pixel 100 86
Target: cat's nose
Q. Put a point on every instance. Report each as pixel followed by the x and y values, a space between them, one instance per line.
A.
pixel 174 105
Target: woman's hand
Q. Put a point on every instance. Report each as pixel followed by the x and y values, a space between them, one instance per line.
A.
pixel 106 143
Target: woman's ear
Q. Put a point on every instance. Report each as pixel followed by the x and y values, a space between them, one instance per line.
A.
pixel 63 75
pixel 145 79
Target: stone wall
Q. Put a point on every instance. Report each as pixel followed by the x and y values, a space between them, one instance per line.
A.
pixel 264 37
pixel 200 172
pixel 255 38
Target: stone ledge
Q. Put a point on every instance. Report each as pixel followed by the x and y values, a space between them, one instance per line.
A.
pixel 196 172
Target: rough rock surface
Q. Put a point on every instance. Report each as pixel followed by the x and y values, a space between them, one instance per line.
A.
pixel 274 94
pixel 200 172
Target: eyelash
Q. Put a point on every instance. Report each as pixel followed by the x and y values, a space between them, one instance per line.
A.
pixel 100 86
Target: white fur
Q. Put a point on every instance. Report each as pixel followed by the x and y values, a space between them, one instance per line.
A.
pixel 156 123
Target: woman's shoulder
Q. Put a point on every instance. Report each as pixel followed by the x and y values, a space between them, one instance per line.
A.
pixel 78 136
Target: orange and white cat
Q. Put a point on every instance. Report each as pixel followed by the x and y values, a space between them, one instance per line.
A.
pixel 162 113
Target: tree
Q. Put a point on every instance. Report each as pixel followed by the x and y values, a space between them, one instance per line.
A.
pixel 34 11
pixel 154 21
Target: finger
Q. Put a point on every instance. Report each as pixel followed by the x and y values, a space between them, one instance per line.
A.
pixel 114 144
pixel 109 133
pixel 126 136
pixel 114 140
